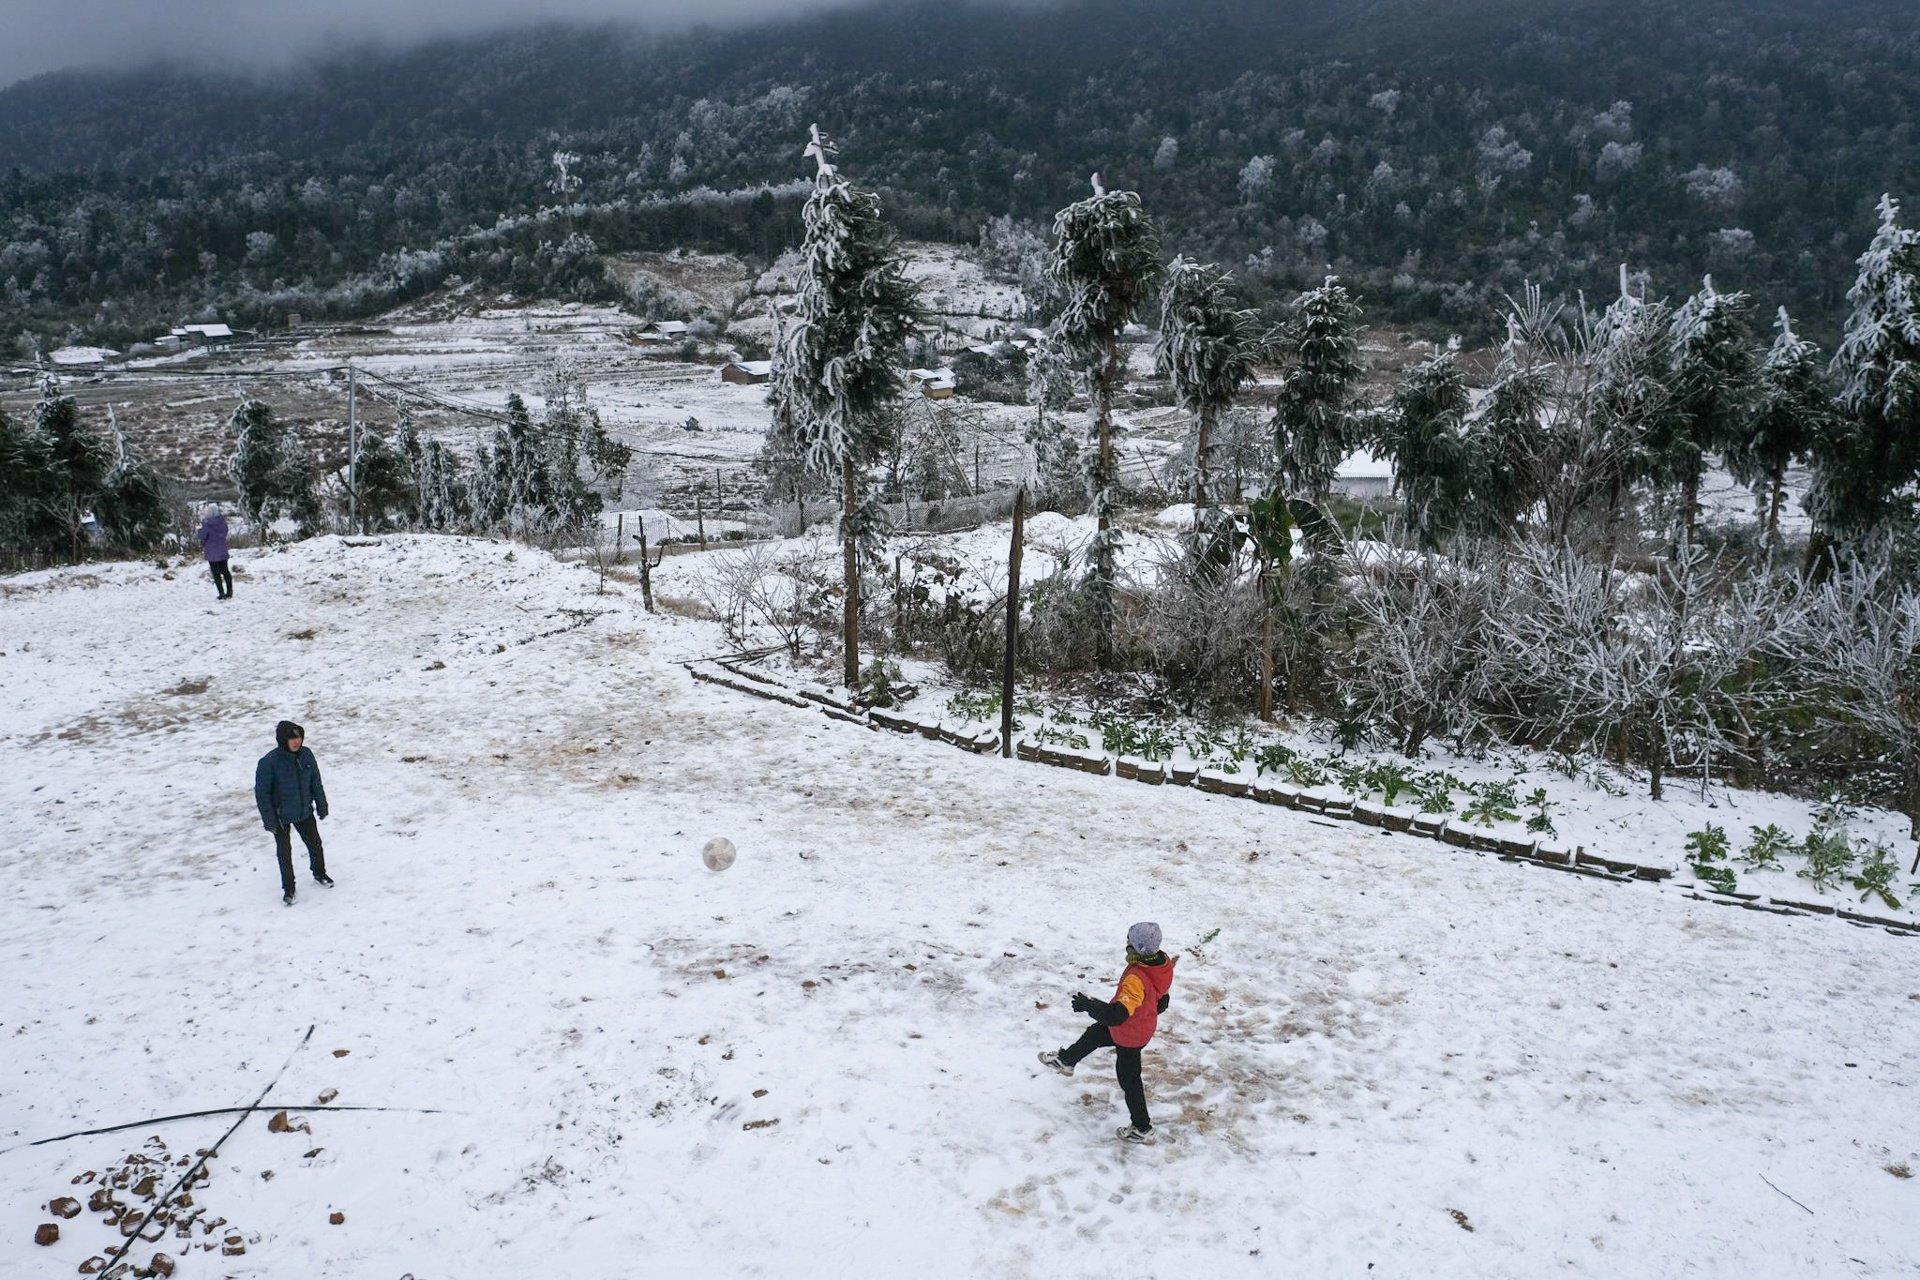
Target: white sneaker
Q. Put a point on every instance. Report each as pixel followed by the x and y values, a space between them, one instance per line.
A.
pixel 1051 1058
pixel 1127 1133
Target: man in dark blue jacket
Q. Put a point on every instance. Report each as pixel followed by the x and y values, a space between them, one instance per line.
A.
pixel 286 786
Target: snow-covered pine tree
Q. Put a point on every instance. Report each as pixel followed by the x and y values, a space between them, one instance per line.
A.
pixel 1630 405
pixel 782 462
pixel 386 491
pixel 1866 463
pixel 1508 436
pixel 1320 354
pixel 1209 349
pixel 132 505
pixel 581 457
pixel 1793 408
pixel 521 491
pixel 853 313
pixel 25 481
pixel 1054 471
pixel 1106 262
pixel 77 462
pixel 1424 434
pixel 1713 379
pixel 259 458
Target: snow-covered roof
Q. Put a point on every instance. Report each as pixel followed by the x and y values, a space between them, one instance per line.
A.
pixel 672 328
pixel 931 375
pixel 71 356
pixel 1364 466
pixel 758 368
pixel 208 330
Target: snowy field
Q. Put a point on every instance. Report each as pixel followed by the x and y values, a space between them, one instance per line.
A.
pixel 1382 1058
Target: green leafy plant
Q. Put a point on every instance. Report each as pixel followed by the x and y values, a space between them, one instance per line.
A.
pixel 1390 779
pixel 1540 821
pixel 1305 772
pixel 981 706
pixel 1434 790
pixel 1495 802
pixel 880 683
pixel 1272 758
pixel 1715 876
pixel 1048 736
pixel 1829 854
pixel 1765 847
pixel 1875 878
pixel 1708 844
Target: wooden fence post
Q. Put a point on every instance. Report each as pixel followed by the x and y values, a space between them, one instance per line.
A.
pixel 1013 621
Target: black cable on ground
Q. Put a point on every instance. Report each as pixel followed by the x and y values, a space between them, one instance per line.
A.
pixel 215 1111
pixel 201 1163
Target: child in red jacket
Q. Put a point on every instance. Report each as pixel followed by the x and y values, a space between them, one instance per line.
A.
pixel 1126 1023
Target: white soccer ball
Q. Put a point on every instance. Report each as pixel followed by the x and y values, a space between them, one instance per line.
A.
pixel 719 854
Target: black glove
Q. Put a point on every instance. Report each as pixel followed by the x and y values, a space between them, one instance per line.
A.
pixel 1162 1006
pixel 1081 1004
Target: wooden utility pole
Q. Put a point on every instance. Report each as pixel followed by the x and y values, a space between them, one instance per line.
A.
pixel 353 450
pixel 620 538
pixel 1013 621
pixel 700 518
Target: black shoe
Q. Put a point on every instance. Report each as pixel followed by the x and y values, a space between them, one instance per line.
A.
pixel 287 901
pixel 325 879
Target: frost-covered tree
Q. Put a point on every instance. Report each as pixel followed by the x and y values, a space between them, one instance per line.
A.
pixel 1508 437
pixel 1630 401
pixel 582 458
pixel 1864 465
pixel 77 461
pixel 1858 650
pixel 1313 423
pixel 1792 408
pixel 386 489
pixel 1210 349
pixel 521 488
pixel 1424 433
pixel 132 504
pixel 1713 382
pixel 1054 471
pixel 271 468
pixel 853 314
pixel 22 471
pixel 1417 665
pixel 1106 262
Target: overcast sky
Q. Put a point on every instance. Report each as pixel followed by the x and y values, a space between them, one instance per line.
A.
pixel 46 35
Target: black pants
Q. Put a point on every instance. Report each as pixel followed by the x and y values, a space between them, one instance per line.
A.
pixel 316 857
pixel 222 579
pixel 1126 1065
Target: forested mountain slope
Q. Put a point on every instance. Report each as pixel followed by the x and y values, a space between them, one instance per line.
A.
pixel 1437 155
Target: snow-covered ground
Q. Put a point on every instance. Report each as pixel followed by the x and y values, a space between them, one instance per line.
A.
pixel 1382 1057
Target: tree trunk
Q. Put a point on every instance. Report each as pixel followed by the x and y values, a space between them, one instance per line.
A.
pixel 1103 566
pixel 1689 507
pixel 1202 445
pixel 1776 497
pixel 850 568
pixel 1266 647
pixel 1013 621
pixel 1656 760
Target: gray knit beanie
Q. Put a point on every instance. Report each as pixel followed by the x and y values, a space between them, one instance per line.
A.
pixel 1144 938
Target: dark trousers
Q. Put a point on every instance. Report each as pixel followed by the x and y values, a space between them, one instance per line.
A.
pixel 1126 1065
pixel 222 578
pixel 317 861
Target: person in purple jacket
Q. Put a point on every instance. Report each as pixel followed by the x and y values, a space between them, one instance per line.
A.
pixel 213 543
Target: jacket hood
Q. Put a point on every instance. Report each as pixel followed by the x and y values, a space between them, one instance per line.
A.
pixel 286 731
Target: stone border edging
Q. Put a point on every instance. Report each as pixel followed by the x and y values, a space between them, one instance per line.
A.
pixel 980 741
